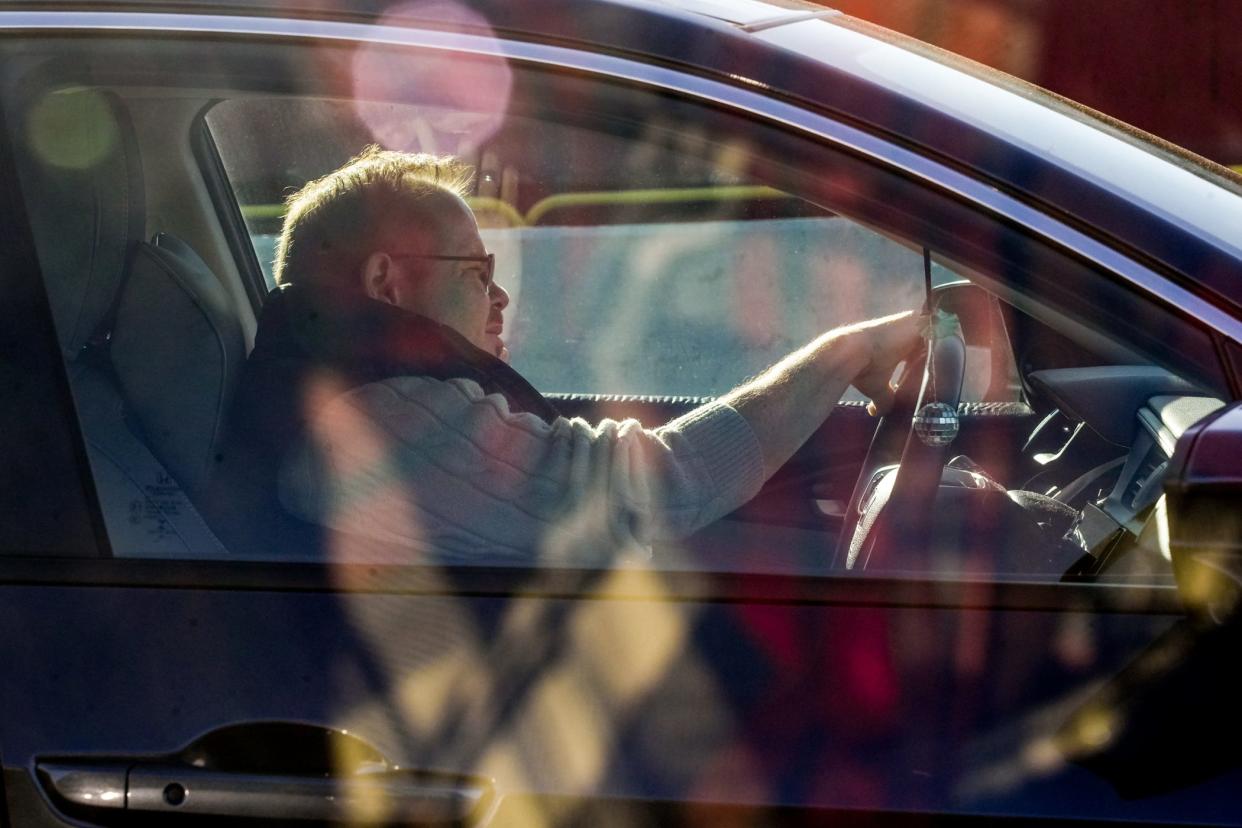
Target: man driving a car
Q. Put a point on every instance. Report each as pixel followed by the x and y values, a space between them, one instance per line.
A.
pixel 378 400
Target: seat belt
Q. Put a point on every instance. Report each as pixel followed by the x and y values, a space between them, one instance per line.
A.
pixel 164 510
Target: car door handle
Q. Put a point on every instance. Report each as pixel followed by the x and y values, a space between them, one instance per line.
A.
pixel 386 797
pixel 266 770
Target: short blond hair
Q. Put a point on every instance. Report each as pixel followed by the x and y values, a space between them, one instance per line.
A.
pixel 333 222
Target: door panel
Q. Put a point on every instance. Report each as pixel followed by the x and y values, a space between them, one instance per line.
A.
pixel 624 697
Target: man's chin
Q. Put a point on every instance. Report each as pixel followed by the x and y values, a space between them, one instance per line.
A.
pixel 496 346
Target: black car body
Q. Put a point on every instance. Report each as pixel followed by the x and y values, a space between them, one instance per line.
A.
pixel 754 673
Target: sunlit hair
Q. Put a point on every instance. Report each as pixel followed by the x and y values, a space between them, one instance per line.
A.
pixel 333 222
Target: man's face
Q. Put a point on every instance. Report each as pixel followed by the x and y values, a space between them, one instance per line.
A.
pixel 458 294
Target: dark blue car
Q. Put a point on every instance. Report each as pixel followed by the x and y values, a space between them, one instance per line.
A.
pixel 1010 598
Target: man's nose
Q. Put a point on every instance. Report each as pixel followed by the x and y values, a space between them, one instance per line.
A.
pixel 500 296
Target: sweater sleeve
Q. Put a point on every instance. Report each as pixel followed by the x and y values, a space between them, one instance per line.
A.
pixel 441 466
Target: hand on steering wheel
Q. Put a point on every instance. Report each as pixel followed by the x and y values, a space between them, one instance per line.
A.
pixel 897 517
pixel 891 343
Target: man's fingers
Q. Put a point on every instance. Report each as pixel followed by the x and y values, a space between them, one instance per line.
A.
pixel 881 400
pixel 893 339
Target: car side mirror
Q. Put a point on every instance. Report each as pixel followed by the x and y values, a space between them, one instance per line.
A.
pixel 1203 488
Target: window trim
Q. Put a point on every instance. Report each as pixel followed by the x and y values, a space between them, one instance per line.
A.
pixel 590 584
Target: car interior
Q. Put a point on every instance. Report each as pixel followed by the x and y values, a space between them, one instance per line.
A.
pixel 154 233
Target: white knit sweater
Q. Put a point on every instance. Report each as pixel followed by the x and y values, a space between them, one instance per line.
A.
pixel 441 467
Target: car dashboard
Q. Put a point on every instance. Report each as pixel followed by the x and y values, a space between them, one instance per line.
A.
pixel 1144 410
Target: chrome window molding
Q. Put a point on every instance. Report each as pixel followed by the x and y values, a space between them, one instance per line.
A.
pixel 739 96
pixel 785 19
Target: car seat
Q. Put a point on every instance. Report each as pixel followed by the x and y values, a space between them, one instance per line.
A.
pixel 149 340
pixel 177 349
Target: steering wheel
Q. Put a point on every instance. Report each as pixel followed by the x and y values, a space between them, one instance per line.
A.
pixel 891 509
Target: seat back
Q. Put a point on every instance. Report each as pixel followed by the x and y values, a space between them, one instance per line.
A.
pixel 177 348
pixel 85 198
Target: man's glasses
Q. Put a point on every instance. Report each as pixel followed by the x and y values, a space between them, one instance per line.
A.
pixel 488 262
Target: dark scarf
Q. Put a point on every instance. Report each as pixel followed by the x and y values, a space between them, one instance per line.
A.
pixel 363 340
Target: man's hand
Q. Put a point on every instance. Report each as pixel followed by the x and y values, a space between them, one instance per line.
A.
pixel 890 339
pixel 785 404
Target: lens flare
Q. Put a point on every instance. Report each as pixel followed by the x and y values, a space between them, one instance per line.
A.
pixel 429 101
pixel 72 129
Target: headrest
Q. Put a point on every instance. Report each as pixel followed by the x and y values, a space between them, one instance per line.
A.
pixel 80 169
pixel 177 348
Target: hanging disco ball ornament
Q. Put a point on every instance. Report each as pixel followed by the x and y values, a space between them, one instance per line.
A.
pixel 936 424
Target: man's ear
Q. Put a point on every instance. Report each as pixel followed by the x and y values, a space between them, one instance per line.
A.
pixel 379 278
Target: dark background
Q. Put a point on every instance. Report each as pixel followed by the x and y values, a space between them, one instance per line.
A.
pixel 1171 67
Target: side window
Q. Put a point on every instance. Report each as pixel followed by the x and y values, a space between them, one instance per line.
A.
pixel 653 255
pixel 652 263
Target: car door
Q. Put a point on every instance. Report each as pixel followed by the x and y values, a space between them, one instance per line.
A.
pixel 741 674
